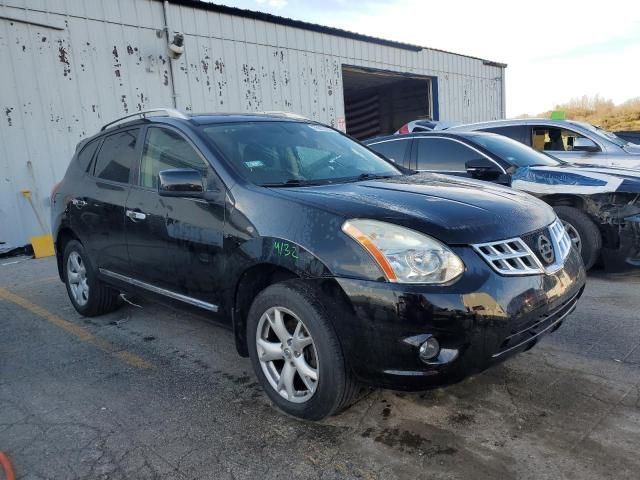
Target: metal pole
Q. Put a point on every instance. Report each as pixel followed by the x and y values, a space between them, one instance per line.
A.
pixel 174 95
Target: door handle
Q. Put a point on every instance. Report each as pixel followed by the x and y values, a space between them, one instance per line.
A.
pixel 136 216
pixel 78 203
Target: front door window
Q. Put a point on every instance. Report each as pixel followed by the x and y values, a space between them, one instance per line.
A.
pixel 165 149
pixel 554 139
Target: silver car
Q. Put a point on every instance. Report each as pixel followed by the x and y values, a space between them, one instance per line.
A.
pixel 574 142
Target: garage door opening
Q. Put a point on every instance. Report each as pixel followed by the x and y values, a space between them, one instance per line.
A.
pixel 377 102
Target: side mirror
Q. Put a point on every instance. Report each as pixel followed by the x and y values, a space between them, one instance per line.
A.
pixel 482 168
pixel 583 144
pixel 180 182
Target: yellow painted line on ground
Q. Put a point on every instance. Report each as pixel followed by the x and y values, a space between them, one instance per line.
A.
pixel 75 330
pixel 35 282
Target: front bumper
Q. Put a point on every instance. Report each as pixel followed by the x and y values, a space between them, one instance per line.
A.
pixel 480 320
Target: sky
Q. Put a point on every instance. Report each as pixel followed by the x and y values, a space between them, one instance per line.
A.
pixel 555 50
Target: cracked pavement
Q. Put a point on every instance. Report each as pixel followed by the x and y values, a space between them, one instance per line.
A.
pixel 569 408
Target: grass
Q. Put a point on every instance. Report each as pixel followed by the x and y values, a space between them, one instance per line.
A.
pixel 599 111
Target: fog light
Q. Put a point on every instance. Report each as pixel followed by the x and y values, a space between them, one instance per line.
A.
pixel 429 349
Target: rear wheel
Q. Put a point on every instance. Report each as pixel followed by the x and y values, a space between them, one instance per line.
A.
pixel 584 234
pixel 296 354
pixel 89 296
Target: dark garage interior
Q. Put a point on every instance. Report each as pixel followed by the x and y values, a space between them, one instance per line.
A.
pixel 378 102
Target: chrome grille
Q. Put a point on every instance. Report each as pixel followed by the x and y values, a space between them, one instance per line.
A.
pixel 509 257
pixel 561 239
pixel 515 257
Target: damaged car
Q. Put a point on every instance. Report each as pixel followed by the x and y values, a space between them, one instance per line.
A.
pixel 599 206
pixel 569 140
pixel 334 267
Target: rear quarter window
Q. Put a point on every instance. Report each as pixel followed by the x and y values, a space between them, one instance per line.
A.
pixel 85 156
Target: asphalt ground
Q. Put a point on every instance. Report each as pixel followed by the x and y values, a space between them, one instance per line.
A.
pixel 151 392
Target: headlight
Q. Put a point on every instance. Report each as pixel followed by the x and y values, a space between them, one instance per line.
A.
pixel 404 255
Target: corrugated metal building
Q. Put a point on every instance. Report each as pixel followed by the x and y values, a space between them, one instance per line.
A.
pixel 69 66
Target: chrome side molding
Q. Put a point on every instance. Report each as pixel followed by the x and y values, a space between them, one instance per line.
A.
pixel 161 291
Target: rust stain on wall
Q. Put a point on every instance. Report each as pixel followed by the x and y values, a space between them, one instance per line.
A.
pixel 63 57
pixel 220 78
pixel 7 112
pixel 116 64
pixel 205 66
pixel 141 99
pixel 251 81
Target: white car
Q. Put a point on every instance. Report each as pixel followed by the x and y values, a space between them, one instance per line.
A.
pixel 574 142
pixel 424 126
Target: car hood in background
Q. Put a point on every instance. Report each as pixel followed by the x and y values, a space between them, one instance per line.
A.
pixel 632 148
pixel 578 179
pixel 450 209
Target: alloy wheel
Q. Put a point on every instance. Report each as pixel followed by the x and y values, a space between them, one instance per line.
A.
pixel 287 354
pixel 77 278
pixel 574 236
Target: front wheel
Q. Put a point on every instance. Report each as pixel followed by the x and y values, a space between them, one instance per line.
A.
pixel 584 234
pixel 296 354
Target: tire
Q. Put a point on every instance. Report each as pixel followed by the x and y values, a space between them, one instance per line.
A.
pixel 89 296
pixel 335 387
pixel 589 241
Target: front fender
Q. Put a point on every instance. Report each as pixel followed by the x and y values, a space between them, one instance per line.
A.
pixel 278 252
pixel 258 263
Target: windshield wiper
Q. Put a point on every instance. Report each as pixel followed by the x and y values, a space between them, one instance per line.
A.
pixel 371 176
pixel 362 176
pixel 292 182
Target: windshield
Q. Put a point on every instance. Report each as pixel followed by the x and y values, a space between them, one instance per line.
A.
pixel 514 152
pixel 612 137
pixel 274 153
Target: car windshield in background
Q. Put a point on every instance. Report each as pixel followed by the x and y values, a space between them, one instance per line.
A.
pixel 515 152
pixel 288 153
pixel 612 137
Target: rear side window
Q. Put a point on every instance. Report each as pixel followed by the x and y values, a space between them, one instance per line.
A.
pixel 86 154
pixel 165 149
pixel 395 150
pixel 444 155
pixel 519 133
pixel 116 156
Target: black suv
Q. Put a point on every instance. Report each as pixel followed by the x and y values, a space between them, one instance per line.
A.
pixel 333 266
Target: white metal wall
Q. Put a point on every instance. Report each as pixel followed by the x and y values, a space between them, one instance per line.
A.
pixel 81 63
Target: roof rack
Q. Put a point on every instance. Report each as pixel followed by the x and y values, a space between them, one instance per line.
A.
pixel 168 112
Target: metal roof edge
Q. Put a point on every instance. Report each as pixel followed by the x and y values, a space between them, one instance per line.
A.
pixel 314 27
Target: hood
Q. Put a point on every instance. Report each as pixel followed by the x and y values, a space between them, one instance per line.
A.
pixel 632 148
pixel 578 179
pixel 453 210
